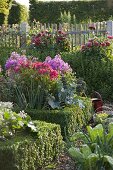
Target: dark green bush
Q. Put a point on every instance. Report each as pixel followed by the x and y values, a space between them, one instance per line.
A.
pixel 31 153
pixel 78 11
pixel 17 14
pixel 69 119
pixel 2 18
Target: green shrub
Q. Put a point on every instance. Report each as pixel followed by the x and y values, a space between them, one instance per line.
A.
pixel 31 153
pixel 69 119
pixel 95 66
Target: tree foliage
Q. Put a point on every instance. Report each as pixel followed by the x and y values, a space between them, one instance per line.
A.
pixel 5 6
pixel 18 13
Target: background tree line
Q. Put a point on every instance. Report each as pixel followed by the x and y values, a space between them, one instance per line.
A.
pixel 54 12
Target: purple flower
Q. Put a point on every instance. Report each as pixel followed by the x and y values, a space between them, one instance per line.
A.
pixel 58 64
pixel 15 61
pixel 10 63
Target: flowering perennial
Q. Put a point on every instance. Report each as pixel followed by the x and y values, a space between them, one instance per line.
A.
pixel 45 40
pixel 58 64
pixel 45 69
pixel 96 43
pixel 17 62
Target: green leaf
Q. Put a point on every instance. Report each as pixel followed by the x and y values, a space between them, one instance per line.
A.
pixel 77 135
pixel 95 132
pixel 91 161
pixel 53 103
pixel 76 154
pixel 85 150
pixel 109 136
pixel 108 159
pixel 7 115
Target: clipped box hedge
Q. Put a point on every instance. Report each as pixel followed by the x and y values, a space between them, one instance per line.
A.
pixel 31 152
pixel 69 118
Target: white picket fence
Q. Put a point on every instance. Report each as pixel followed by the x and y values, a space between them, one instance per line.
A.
pixel 16 35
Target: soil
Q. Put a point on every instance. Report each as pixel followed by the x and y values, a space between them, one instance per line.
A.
pixel 63 163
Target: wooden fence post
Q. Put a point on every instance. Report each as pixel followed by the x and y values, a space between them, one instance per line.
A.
pixel 23 33
pixel 110 27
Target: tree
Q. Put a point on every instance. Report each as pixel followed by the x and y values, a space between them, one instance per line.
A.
pixel 18 13
pixel 5 6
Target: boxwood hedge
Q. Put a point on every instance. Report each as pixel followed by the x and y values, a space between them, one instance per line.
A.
pixel 32 151
pixel 69 118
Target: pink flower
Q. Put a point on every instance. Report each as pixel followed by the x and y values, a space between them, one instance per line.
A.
pixel 89 44
pixel 103 44
pixel 37 65
pixel 110 37
pixel 96 43
pixel 17 69
pixel 53 74
pixel 83 47
pixel 42 71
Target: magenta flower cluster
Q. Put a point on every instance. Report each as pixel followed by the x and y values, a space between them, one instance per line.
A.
pixel 16 61
pixel 97 43
pixel 58 64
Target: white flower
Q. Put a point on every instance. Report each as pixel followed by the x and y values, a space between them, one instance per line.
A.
pixel 6 105
pixel 32 126
pixel 22 114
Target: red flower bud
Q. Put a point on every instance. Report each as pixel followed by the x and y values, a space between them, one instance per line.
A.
pixel 96 43
pixel 103 44
pixel 107 43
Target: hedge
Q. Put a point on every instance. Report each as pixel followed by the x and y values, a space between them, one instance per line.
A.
pixel 76 11
pixel 69 118
pixel 31 152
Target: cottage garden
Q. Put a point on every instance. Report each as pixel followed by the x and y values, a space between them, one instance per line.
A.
pixel 46 107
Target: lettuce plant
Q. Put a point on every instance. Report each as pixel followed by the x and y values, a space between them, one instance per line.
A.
pixel 93 150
